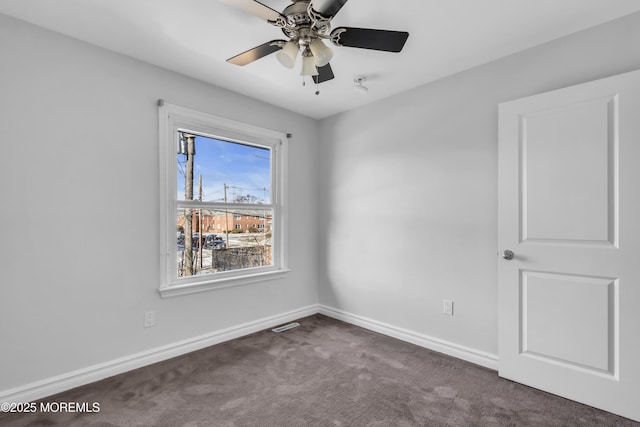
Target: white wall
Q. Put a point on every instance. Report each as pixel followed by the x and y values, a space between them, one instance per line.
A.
pixel 79 221
pixel 409 197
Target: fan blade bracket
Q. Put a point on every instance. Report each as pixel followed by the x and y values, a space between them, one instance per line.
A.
pixel 335 36
pixel 280 22
pixel 321 23
pixel 325 9
pixel 317 16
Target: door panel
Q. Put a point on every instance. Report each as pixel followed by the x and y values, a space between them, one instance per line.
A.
pixel 569 208
pixel 584 184
pixel 584 340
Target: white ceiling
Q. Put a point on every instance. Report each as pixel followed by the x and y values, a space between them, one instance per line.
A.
pixel 195 37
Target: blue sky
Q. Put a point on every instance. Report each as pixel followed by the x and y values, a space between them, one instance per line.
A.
pixel 243 168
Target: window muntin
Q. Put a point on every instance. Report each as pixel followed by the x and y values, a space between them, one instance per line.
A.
pixel 232 206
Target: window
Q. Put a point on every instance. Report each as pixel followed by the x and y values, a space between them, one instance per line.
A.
pixel 213 173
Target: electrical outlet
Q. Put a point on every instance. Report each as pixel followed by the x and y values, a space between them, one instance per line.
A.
pixel 149 319
pixel 447 307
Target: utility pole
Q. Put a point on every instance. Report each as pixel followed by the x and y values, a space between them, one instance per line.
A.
pixel 264 218
pixel 188 213
pixel 226 217
pixel 200 219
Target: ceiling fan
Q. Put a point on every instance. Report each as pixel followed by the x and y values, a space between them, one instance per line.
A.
pixel 306 23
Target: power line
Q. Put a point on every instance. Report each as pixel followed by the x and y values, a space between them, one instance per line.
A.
pixel 249 189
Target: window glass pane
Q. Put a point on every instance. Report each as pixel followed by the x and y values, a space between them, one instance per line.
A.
pixel 213 170
pixel 221 242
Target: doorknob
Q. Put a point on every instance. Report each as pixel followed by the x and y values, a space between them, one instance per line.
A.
pixel 507 254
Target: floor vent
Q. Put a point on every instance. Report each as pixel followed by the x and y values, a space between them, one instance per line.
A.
pixel 286 327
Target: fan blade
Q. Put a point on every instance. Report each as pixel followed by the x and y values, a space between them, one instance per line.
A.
pixel 327 8
pixel 255 8
pixel 365 38
pixel 324 73
pixel 257 52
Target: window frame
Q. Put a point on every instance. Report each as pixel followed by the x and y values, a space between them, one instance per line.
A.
pixel 174 119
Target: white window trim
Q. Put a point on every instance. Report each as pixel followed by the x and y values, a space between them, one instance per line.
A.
pixel 173 118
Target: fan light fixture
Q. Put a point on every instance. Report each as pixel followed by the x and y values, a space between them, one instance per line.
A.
pixel 287 55
pixel 321 53
pixel 308 64
pixel 316 54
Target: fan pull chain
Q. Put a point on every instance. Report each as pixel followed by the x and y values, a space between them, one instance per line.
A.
pixel 304 83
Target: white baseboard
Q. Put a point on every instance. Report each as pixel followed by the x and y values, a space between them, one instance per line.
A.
pixel 461 352
pixel 57 384
pixel 53 385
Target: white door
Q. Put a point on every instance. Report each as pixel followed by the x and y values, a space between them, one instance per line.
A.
pixel 569 210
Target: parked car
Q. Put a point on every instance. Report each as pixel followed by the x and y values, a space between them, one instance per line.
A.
pixel 212 241
pixel 209 241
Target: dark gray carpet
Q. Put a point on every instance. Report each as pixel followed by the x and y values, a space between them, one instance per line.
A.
pixel 322 373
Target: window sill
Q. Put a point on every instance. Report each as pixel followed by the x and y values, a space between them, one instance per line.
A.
pixel 212 285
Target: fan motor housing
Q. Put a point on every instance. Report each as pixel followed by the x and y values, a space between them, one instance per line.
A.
pixel 297 14
pixel 302 26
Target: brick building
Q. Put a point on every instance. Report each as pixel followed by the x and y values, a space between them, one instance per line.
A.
pixel 218 221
